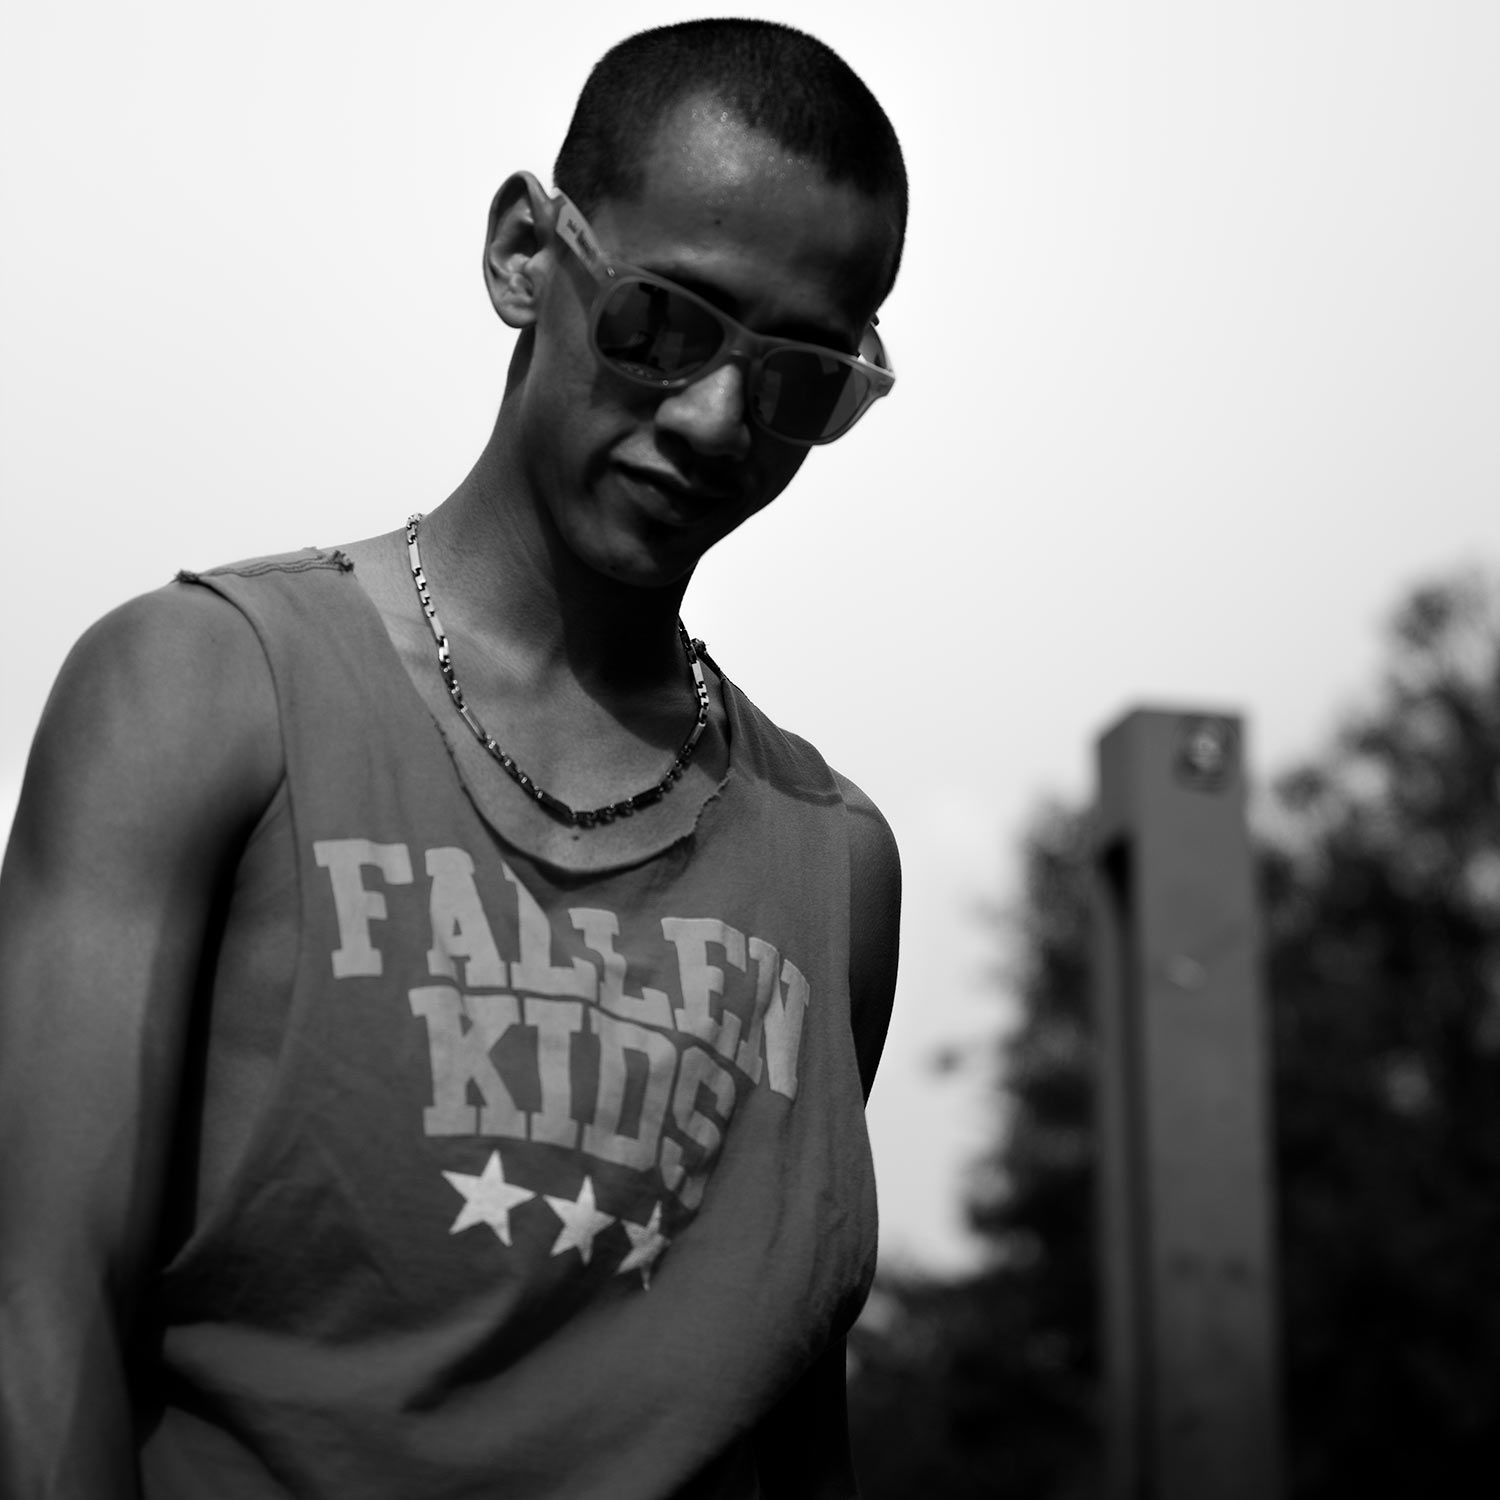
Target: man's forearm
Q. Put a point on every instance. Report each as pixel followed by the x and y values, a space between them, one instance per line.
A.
pixel 66 1431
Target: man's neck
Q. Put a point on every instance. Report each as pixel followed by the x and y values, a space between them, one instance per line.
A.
pixel 501 570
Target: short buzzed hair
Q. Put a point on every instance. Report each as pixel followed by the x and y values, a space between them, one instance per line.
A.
pixel 771 77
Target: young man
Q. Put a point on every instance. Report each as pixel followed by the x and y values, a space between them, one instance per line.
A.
pixel 437 1004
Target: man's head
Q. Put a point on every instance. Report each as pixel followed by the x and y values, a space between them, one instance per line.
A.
pixel 758 193
pixel 769 77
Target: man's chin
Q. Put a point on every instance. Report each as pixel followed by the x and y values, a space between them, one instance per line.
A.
pixel 638 559
pixel 651 534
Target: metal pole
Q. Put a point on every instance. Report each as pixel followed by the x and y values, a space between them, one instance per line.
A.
pixel 1183 1118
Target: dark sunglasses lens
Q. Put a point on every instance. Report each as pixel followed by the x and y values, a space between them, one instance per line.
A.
pixel 807 396
pixel 650 333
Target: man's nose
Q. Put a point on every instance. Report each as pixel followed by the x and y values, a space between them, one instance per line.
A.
pixel 711 413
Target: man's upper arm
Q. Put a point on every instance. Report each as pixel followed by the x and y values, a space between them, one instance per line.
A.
pixel 158 749
pixel 875 926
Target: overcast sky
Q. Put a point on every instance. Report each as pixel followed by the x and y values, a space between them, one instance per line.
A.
pixel 1197 336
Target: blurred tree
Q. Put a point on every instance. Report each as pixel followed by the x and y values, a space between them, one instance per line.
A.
pixel 1382 900
pixel 1381 879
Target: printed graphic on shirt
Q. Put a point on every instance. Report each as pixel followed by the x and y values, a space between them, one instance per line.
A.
pixel 552 1048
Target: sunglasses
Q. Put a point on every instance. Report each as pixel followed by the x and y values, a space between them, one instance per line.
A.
pixel 655 333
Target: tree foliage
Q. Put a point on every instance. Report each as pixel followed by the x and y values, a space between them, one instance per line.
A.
pixel 1380 877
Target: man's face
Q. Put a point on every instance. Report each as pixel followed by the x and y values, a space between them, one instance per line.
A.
pixel 640 484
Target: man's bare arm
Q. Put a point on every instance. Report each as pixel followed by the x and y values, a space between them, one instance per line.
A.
pixel 158 750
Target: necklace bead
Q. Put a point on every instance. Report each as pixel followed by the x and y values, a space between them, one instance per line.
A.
pixel 570 817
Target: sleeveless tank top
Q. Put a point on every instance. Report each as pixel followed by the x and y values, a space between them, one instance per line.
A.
pixel 557 1182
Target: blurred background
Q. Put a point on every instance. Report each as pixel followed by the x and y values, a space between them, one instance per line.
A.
pixel 1198 342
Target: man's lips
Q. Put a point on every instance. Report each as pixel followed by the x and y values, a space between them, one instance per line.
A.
pixel 684 500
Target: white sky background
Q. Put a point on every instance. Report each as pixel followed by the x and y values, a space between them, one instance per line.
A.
pixel 1198 336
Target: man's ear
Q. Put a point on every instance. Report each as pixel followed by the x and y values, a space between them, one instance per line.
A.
pixel 520 225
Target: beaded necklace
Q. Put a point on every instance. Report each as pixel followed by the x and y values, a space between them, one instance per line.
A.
pixel 569 816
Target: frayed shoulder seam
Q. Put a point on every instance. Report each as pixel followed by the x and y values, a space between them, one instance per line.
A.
pixel 301 562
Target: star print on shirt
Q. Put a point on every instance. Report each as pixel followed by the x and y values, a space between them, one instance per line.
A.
pixel 581 1221
pixel 490 1198
pixel 646 1245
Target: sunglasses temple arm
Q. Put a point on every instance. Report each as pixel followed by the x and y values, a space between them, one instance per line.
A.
pixel 574 231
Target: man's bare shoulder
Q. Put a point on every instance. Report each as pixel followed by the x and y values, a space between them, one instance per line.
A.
pixel 180 620
pixel 875 923
pixel 178 663
pixel 872 843
pixel 875 880
pixel 163 714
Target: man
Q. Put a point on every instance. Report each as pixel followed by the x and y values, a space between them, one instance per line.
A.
pixel 437 1004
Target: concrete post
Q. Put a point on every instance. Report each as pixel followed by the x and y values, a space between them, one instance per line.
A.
pixel 1183 1118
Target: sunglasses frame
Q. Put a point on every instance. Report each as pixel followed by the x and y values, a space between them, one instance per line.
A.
pixel 871 363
